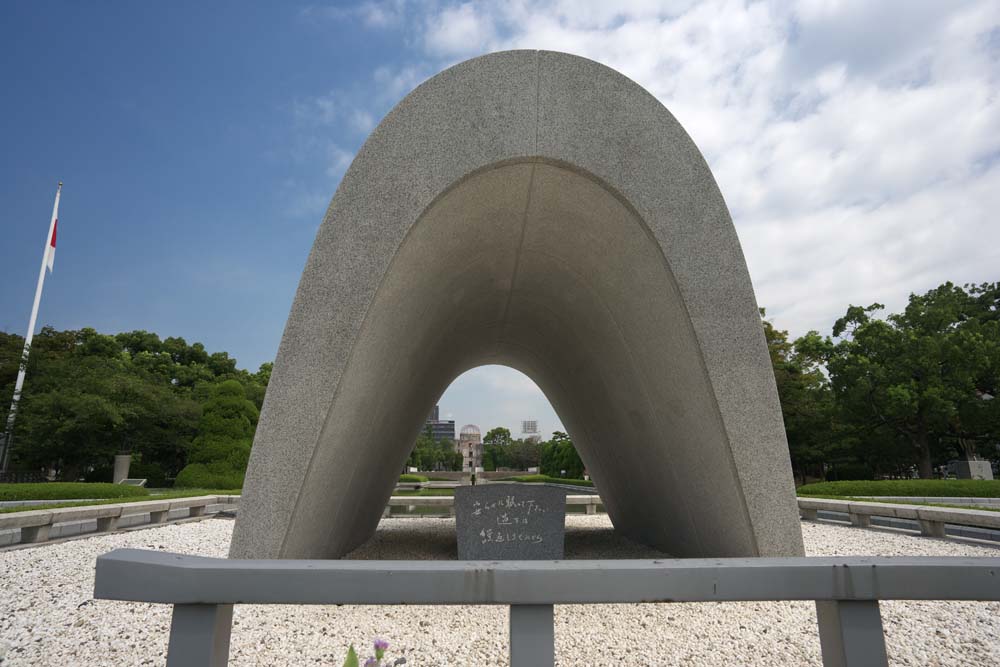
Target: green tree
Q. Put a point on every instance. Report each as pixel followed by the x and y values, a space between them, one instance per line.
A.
pixel 219 454
pixel 806 399
pixel 559 454
pixel 90 395
pixel 922 376
pixel 498 436
pixel 496 457
pixel 85 400
pixel 430 454
pixel 525 454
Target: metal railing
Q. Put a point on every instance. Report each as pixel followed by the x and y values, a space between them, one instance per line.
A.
pixel 846 590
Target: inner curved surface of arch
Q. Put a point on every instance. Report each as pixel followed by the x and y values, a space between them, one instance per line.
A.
pixel 395 301
pixel 622 343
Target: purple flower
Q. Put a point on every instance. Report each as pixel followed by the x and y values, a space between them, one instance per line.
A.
pixel 381 644
pixel 371 662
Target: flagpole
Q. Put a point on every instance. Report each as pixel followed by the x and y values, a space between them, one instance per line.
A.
pixel 23 366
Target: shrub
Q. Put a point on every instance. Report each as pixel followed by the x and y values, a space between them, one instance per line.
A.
pixel 545 478
pixel 151 472
pixel 68 491
pixel 219 455
pixel 413 478
pixel 209 476
pixel 955 488
pixel 101 474
pixel 849 471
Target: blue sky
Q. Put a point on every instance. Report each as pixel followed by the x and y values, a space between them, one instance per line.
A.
pixel 855 142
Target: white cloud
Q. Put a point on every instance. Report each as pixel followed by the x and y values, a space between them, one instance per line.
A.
pixel 490 396
pixel 855 142
pixel 458 30
pixel 852 140
pixel 338 162
pixel 370 14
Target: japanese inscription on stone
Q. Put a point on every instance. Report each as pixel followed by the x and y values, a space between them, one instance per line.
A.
pixel 510 522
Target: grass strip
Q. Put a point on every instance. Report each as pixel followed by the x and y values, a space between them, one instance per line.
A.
pixel 187 493
pixel 68 490
pixel 929 488
pixel 424 492
pixel 536 479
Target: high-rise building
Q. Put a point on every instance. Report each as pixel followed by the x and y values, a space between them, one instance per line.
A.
pixel 529 430
pixel 470 446
pixel 441 429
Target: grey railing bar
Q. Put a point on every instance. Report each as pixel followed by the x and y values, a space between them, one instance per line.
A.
pixel 155 576
pixel 847 591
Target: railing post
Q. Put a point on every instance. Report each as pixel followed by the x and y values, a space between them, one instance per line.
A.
pixel 860 520
pixel 532 635
pixel 932 528
pixel 35 534
pixel 107 523
pixel 199 635
pixel 850 633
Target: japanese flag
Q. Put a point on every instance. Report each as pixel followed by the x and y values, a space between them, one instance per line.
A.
pixel 50 258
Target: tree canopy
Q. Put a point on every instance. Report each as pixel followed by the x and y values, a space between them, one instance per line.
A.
pixel 884 395
pixel 88 396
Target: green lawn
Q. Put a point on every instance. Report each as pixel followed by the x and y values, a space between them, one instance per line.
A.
pixel 956 488
pixel 67 490
pixel 424 492
pixel 185 493
pixel 545 478
pixel 411 478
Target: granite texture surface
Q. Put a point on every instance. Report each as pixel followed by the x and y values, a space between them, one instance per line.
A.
pixel 576 234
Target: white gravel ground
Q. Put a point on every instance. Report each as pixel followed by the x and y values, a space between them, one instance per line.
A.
pixel 47 616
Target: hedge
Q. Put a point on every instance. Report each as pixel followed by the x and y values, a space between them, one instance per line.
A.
pixel 546 478
pixel 955 488
pixel 188 493
pixel 413 478
pixel 68 491
pixel 209 476
pixel 424 492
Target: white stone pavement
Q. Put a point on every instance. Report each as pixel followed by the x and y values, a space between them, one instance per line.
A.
pixel 47 616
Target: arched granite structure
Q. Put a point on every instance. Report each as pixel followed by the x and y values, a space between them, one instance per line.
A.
pixel 542 211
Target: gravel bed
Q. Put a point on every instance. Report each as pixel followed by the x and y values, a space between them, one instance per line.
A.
pixel 47 616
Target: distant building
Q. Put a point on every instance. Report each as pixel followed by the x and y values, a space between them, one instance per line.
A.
pixel 529 430
pixel 440 429
pixel 470 446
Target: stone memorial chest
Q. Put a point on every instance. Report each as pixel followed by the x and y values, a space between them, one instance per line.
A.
pixel 510 522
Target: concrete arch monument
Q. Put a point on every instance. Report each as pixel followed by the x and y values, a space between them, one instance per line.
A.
pixel 542 211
